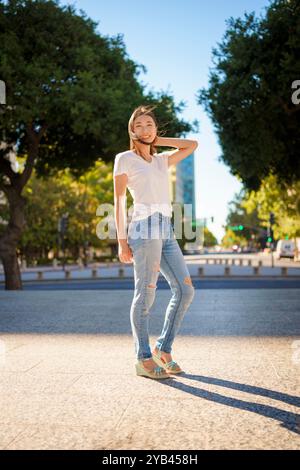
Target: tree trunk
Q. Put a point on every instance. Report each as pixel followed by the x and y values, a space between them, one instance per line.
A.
pixel 11 271
pixel 10 239
pixel 13 232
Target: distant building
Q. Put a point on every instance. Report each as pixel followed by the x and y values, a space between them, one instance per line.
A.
pixel 182 190
pixel 172 183
pixel 185 184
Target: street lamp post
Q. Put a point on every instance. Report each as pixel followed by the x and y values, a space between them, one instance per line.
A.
pixel 62 229
pixel 271 235
pixel 2 92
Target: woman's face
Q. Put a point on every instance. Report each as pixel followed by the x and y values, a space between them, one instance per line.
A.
pixel 144 128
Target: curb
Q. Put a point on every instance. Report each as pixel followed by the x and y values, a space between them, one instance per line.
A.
pixel 196 278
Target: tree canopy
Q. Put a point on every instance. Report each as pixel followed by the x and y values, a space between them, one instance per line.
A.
pixel 68 86
pixel 249 96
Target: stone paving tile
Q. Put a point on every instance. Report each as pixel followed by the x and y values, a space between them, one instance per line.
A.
pixel 260 428
pixel 20 364
pixel 79 365
pixel 223 423
pixel 22 408
pixel 161 438
pixel 63 408
pixel 9 432
pixel 31 384
pixel 130 386
pixel 57 437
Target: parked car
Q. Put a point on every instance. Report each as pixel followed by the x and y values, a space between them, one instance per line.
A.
pixel 285 249
pixel 249 249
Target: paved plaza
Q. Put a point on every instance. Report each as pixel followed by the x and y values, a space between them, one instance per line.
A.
pixel 68 378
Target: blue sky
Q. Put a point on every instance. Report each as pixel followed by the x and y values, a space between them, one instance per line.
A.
pixel 173 39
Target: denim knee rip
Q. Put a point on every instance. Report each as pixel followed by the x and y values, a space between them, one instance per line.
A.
pixel 155 270
pixel 188 280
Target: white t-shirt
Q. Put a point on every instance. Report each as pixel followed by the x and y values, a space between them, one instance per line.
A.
pixel 148 182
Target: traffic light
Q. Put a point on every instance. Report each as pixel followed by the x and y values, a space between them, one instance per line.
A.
pixel 272 218
pixel 270 235
pixel 63 223
pixel 236 228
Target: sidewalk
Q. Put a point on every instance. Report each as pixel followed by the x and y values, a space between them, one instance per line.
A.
pixel 67 376
pixel 117 270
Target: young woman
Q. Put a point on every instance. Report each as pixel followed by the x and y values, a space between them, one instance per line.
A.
pixel 151 244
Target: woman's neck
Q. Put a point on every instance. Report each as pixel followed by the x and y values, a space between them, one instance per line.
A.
pixel 144 152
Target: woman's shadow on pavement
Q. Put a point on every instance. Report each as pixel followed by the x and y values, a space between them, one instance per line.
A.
pixel 288 420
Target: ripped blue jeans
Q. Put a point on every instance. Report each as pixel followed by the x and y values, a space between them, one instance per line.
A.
pixel 155 249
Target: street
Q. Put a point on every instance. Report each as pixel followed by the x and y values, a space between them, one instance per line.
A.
pixel 128 284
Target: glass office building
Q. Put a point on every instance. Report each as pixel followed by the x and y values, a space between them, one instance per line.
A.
pixel 185 185
pixel 182 191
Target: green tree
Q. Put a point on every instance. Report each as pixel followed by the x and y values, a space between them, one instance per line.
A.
pixel 231 238
pixel 249 97
pixel 209 238
pixel 244 226
pixel 70 92
pixel 49 198
pixel 284 202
